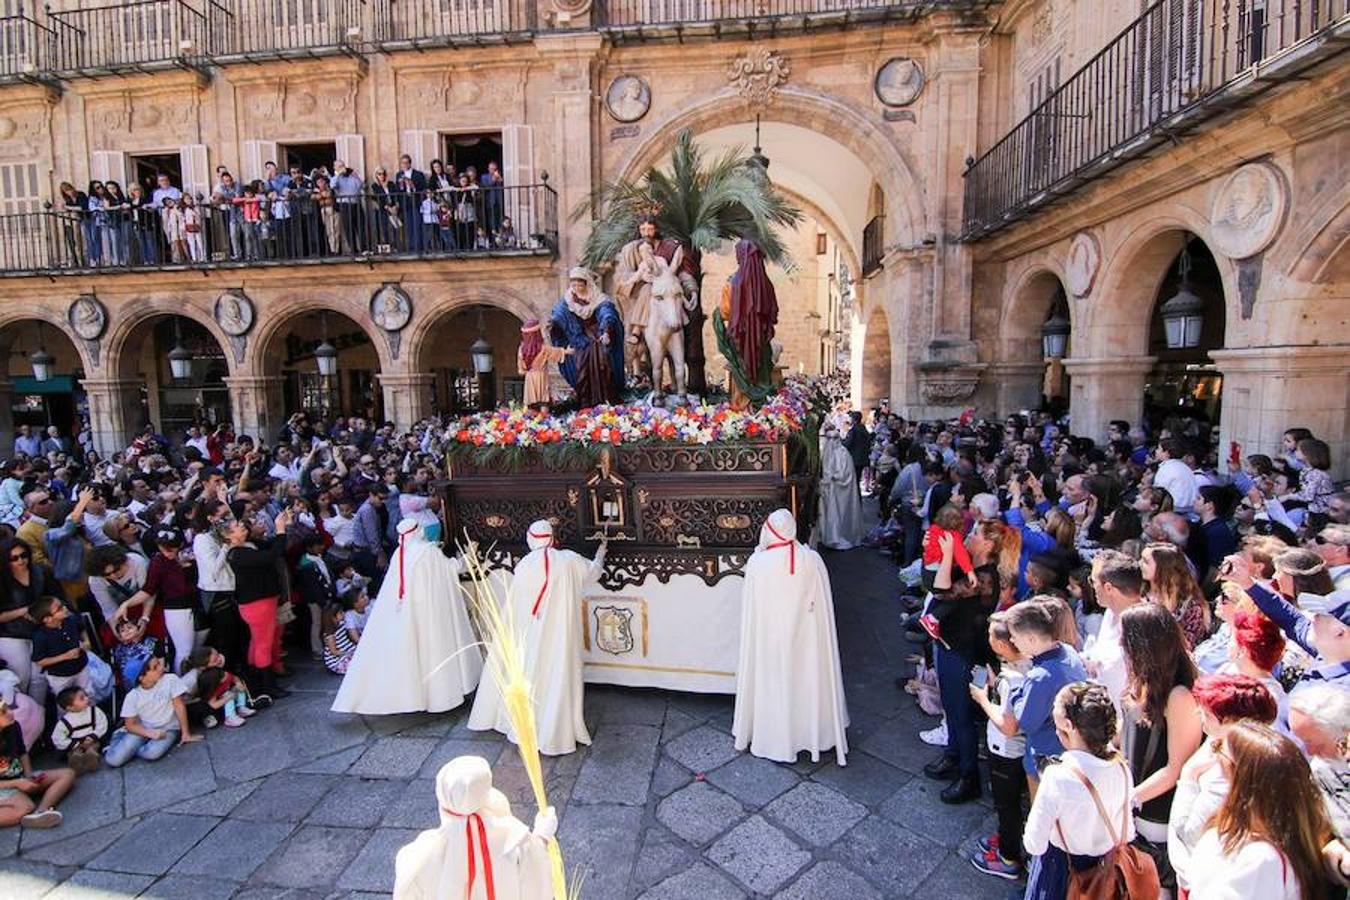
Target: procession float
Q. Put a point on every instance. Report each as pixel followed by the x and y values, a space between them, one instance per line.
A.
pixel 677 482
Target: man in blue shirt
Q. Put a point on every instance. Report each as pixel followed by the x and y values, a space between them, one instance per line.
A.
pixel 368 554
pixel 28 443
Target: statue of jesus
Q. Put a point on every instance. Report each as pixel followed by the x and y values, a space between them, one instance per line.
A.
pixel 634 272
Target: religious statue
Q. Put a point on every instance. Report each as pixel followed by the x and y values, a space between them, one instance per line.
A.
pixel 533 359
pixel 635 270
pixel 744 326
pixel 588 322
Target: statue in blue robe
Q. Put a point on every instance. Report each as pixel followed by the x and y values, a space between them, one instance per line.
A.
pixel 588 321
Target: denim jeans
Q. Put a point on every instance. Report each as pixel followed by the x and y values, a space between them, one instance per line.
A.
pixel 953 672
pixel 125 746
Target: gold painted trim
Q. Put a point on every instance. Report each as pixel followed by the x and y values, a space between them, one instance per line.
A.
pixel 614 665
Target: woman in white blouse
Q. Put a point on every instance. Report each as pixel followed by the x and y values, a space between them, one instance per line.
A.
pixel 1266 840
pixel 1064 828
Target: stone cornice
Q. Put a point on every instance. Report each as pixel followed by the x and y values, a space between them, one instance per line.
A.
pixel 1283 360
pixel 1110 365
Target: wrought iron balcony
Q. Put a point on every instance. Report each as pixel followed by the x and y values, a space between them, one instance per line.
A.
pixel 25 48
pixel 874 245
pixel 250 30
pixel 720 17
pixel 1180 63
pixel 299 228
pixel 429 23
pixel 139 36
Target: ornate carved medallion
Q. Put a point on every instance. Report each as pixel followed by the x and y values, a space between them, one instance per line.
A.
pixel 1248 211
pixel 757 76
pixel 1085 258
pixel 899 82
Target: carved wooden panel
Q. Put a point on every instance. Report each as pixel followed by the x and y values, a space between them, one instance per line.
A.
pixel 713 521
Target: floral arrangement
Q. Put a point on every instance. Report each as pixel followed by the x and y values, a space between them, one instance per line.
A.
pixel 783 415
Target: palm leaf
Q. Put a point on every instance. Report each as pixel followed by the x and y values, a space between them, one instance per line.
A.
pixel 700 203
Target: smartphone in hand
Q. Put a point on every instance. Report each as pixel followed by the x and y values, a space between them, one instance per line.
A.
pixel 980 676
pixel 1234 454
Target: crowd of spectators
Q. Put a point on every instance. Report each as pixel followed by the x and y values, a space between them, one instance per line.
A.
pixel 291 214
pixel 1151 649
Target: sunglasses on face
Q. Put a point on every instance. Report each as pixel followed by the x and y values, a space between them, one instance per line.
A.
pixel 19 557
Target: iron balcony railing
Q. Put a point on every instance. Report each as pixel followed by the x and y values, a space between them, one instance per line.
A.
pixel 296 227
pixel 25 47
pixel 873 245
pixel 425 23
pixel 678 14
pixel 1178 63
pixel 146 34
pixel 260 29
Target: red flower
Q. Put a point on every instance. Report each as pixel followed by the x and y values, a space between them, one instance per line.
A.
pixel 615 437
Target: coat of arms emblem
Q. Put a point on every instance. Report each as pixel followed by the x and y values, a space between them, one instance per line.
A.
pixel 614 629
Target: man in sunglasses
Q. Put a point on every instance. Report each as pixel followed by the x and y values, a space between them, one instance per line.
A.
pixel 1333 545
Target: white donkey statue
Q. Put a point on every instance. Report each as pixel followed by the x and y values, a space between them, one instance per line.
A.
pixel 667 314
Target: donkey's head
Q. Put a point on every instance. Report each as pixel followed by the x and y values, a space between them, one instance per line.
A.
pixel 667 292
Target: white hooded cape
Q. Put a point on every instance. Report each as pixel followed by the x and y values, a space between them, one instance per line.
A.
pixel 841 524
pixel 546 613
pixel 789 686
pixel 435 866
pixel 408 639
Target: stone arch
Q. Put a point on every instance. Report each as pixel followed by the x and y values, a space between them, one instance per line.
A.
pixel 884 155
pixel 1025 307
pixel 274 317
pixel 1322 256
pixel 1118 318
pixel 16 316
pixel 425 323
pixel 128 332
pixel 874 369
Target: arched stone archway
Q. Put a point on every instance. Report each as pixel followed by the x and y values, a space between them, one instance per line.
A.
pixel 873 379
pixel 138 386
pixel 34 395
pixel 880 152
pixel 1023 375
pixel 446 352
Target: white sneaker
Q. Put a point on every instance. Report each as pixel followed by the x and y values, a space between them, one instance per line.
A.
pixel 48 818
pixel 246 712
pixel 936 737
pixel 233 721
pixel 210 721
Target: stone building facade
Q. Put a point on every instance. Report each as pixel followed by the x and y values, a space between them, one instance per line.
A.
pixel 871 112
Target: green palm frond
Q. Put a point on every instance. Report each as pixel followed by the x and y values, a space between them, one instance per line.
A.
pixel 701 203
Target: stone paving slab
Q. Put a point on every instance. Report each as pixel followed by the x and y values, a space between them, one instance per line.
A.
pixel 261 748
pixel 831 879
pixel 394 757
pixel 217 803
pixel 817 813
pixel 182 887
pixel 661 855
pixel 918 807
pixel 185 772
pixel 333 763
pixel 356 802
pixel 312 858
pixel 91 884
pixel 893 858
pixel 701 881
pixel 759 855
pixel 752 780
pixel 703 749
pixel 235 847
pixel 154 845
pixel 79 849
pixel 601 841
pixel 416 806
pixel 700 812
pixel 452 747
pixel 373 868
pixel 618 768
pixel 865 779
pixel 285 797
pixel 97 803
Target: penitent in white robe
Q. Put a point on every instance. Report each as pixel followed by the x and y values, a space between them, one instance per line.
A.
pixel 789 686
pixel 418 653
pixel 841 525
pixel 551 636
pixel 435 865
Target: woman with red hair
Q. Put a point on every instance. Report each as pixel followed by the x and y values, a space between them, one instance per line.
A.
pixel 1221 701
pixel 1258 645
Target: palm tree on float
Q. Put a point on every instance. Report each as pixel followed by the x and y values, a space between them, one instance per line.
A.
pixel 699 204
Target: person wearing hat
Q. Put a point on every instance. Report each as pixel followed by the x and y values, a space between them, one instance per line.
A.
pixel 588 321
pixel 789 684
pixel 533 359
pixel 170 582
pixel 479 849
pixel 544 597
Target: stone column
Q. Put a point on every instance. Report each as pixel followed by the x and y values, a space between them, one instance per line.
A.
pixel 257 404
pixel 407 397
pixel 1104 389
pixel 1267 390
pixel 1017 385
pixel 114 411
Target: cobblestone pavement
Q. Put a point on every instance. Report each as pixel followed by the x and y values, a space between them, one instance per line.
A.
pixel 304 803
